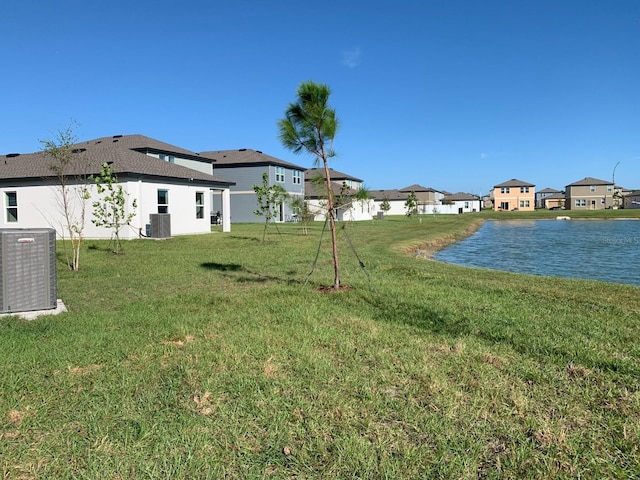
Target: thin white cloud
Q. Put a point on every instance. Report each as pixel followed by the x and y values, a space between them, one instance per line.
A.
pixel 351 58
pixel 483 156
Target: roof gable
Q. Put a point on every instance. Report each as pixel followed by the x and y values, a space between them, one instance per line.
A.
pixel 417 188
pixel 335 175
pixel 587 181
pixel 461 196
pixel 514 182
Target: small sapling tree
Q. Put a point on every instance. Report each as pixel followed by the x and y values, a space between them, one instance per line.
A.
pixel 268 198
pixel 69 168
pixel 385 206
pixel 301 208
pixel 411 204
pixel 110 210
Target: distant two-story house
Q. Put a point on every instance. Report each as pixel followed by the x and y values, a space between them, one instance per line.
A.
pixel 589 194
pixel 514 194
pixel 345 189
pixel 148 170
pixel 245 167
pixel 337 178
pixel 541 195
pixel 425 196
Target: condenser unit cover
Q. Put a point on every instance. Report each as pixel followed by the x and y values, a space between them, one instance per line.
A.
pixel 27 269
pixel 160 225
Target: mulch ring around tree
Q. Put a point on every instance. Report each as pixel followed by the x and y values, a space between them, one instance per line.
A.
pixel 332 289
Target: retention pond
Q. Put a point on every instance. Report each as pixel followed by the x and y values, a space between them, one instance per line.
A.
pixel 605 250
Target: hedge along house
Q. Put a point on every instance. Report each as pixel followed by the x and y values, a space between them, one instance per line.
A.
pixel 245 167
pixel 147 169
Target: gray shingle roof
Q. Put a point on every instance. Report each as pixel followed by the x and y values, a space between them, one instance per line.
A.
pixel 312 190
pixel 555 196
pixel 417 188
pixel 589 181
pixel 245 157
pixel 461 196
pixel 390 194
pixel 89 156
pixel 335 175
pixel 141 144
pixel 548 190
pixel 514 182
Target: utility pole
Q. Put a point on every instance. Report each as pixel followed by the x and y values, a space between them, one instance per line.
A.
pixel 613 180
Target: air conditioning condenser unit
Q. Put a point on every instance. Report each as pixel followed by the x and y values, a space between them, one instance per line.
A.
pixel 27 269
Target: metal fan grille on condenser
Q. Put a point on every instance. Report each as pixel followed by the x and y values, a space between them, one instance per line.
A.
pixel 27 269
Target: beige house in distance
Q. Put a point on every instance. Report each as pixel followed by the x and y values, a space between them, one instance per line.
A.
pixel 589 194
pixel 554 201
pixel 514 194
pixel 424 195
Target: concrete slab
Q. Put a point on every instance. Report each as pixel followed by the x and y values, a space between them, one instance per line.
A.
pixel 60 308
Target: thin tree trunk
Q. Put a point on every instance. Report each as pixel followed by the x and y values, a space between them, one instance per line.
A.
pixel 332 226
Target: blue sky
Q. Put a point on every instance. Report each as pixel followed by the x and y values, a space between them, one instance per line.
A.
pixel 457 95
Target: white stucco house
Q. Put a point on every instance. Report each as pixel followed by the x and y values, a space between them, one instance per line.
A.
pixel 462 202
pixel 149 171
pixel 345 189
pixel 395 198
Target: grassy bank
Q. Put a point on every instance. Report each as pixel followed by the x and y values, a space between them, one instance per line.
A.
pixel 209 357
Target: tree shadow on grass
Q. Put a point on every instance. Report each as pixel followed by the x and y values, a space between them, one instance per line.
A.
pixel 222 267
pixel 240 274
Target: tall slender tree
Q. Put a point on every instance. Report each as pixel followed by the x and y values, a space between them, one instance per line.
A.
pixel 69 167
pixel 310 126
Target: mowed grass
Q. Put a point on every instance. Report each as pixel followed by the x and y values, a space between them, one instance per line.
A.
pixel 210 357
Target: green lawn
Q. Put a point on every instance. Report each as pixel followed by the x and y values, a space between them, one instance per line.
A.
pixel 209 357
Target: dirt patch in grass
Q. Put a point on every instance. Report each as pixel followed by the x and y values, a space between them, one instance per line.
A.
pixel 15 417
pixel 83 370
pixel 332 289
pixel 180 343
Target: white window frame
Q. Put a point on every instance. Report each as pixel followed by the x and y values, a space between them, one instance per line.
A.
pixel 11 201
pixel 163 207
pixel 199 205
pixel 297 177
pixel 280 172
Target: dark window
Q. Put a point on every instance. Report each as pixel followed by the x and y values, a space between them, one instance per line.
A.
pixel 12 206
pixel 199 204
pixel 163 201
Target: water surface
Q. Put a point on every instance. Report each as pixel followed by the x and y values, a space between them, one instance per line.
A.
pixel 606 250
